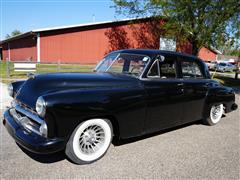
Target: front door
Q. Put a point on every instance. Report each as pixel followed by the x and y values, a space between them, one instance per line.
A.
pixel 164 95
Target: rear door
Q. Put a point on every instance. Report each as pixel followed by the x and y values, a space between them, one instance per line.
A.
pixel 195 88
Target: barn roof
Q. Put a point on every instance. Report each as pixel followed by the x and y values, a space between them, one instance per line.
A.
pixel 35 31
pixel 83 25
pixel 213 49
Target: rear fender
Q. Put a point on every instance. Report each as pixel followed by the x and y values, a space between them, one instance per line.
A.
pixel 217 95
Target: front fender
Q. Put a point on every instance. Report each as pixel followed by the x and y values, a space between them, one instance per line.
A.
pixel 71 107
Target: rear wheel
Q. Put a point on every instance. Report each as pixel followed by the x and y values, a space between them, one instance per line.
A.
pixel 215 115
pixel 89 141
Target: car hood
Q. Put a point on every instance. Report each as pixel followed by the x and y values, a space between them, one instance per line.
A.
pixel 49 83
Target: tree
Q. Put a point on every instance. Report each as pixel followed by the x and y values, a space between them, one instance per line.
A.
pixel 117 39
pixel 13 33
pixel 199 22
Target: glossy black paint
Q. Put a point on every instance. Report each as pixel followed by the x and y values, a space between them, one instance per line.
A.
pixel 135 106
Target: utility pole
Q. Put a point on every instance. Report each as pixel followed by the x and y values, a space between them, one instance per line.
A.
pixel 7 68
pixel 93 18
pixel 238 68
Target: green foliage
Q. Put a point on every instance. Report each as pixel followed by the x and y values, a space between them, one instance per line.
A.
pixel 235 52
pixel 200 22
pixel 14 33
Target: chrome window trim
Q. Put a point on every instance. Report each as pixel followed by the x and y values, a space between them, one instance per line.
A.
pixel 156 61
pixel 112 62
pixel 149 62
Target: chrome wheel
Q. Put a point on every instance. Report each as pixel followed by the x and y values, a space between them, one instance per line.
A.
pixel 216 113
pixel 91 139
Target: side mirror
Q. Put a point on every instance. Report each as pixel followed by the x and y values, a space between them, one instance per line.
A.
pixel 161 58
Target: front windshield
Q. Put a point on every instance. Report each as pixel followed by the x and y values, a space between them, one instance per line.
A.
pixel 124 63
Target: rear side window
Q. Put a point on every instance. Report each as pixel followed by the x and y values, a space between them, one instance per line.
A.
pixel 191 70
pixel 168 68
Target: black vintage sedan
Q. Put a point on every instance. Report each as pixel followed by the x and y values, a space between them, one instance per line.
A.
pixel 131 93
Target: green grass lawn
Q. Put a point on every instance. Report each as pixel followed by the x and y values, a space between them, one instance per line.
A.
pixel 42 68
pixel 228 81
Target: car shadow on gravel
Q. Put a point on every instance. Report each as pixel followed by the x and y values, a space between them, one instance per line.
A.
pixel 45 158
pixel 134 139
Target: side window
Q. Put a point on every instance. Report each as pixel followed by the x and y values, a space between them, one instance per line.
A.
pixel 191 70
pixel 154 70
pixel 168 67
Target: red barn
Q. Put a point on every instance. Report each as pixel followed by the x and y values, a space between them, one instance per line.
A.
pixel 208 54
pixel 85 43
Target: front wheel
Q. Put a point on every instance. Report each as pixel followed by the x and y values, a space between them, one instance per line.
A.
pixel 89 141
pixel 215 115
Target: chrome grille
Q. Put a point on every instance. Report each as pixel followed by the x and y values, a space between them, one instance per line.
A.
pixel 23 119
pixel 29 114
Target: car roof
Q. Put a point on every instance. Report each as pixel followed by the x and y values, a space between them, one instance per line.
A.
pixel 154 52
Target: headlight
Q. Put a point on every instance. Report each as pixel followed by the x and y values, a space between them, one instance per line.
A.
pixel 13 103
pixel 43 129
pixel 41 107
pixel 10 90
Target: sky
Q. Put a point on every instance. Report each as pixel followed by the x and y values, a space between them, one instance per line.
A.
pixel 26 15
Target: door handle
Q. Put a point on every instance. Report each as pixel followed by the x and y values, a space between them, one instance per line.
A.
pixel 207 85
pixel 180 84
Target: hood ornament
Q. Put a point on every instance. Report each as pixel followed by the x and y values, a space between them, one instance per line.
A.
pixel 31 75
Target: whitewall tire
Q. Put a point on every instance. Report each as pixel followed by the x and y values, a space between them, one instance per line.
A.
pixel 89 141
pixel 215 115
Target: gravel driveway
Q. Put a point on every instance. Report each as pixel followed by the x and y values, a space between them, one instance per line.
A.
pixel 191 152
pixel 4 97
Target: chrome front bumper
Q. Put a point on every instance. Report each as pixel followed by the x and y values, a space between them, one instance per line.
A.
pixel 23 126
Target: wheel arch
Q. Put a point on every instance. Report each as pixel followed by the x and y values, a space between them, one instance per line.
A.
pixel 112 119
